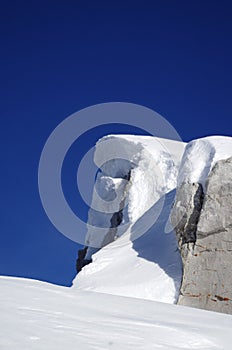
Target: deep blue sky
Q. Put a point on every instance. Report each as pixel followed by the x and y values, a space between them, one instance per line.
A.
pixel 60 56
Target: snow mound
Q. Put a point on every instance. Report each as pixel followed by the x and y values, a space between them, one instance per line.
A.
pixel 200 156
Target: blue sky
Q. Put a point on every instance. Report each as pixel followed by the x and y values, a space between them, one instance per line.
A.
pixel 58 57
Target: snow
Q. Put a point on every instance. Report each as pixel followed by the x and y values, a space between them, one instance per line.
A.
pixel 143 261
pixel 37 315
pixel 153 166
pixel 148 267
pixel 200 156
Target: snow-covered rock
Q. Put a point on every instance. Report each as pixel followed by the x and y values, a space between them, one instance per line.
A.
pixel 135 172
pixel 138 176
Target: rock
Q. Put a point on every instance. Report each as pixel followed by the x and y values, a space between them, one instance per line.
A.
pixel 216 215
pixel 81 261
pixel 207 273
pixel 186 212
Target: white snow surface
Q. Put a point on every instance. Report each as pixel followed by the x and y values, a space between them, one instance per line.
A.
pixel 147 266
pixel 37 316
pixel 201 155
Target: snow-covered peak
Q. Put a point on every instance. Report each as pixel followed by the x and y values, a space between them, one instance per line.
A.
pixel 200 156
pixel 135 172
pixel 126 146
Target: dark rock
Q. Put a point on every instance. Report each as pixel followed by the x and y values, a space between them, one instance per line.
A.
pixel 116 219
pixel 186 211
pixel 81 261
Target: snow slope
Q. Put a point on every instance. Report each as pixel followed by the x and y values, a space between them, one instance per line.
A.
pixel 148 267
pixel 36 315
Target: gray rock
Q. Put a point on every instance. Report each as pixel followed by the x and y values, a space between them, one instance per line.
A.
pixel 185 214
pixel 216 215
pixel 207 273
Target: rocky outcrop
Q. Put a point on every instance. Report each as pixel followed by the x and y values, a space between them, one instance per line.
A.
pixel 81 260
pixel 203 224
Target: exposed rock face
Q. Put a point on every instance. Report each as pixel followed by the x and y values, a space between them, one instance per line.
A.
pixel 204 232
pixel 216 216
